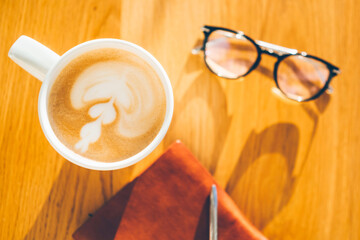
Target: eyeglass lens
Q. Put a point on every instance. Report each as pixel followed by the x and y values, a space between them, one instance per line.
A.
pixel 231 56
pixel 228 56
pixel 300 77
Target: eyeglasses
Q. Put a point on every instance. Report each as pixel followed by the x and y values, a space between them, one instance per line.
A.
pixel 299 76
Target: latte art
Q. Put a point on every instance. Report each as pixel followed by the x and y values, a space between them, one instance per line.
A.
pixel 125 89
pixel 107 104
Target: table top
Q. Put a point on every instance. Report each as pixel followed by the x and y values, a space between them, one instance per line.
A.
pixel 291 168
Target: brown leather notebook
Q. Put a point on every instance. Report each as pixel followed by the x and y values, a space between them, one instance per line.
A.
pixel 170 200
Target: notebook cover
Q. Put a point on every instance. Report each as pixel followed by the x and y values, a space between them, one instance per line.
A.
pixel 170 200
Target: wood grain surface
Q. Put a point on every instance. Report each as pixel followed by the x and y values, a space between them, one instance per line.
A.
pixel 293 169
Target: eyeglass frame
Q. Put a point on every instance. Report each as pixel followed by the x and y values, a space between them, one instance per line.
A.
pixel 274 50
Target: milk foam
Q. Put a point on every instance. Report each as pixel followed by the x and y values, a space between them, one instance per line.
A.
pixel 107 104
pixel 117 92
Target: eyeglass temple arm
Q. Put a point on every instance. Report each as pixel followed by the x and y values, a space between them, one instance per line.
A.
pixel 268 47
pixel 196 50
pixel 271 48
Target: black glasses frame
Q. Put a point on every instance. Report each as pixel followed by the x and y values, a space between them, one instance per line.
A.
pixel 279 52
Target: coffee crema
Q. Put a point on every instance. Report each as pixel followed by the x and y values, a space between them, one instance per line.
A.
pixel 107 105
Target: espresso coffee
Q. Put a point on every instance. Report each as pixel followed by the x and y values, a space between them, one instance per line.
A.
pixel 107 105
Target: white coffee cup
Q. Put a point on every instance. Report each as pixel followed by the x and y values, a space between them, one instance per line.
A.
pixel 45 65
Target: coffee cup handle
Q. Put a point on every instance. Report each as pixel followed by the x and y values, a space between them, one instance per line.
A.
pixel 33 57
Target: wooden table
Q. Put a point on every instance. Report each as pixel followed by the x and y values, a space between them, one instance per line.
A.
pixel 293 169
